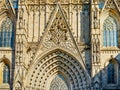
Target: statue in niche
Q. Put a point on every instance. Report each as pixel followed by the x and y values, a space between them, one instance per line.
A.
pixel 96 23
pixel 21 18
pixel 96 20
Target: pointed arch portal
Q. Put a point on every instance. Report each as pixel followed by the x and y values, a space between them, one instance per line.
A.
pixel 57 66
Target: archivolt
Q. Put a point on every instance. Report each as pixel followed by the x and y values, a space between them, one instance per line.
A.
pixel 58 62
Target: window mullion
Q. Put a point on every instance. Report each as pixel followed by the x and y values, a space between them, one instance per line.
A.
pixel 115 38
pixel 107 37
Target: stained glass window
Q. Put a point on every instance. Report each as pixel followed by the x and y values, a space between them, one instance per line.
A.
pixel 111 74
pixel 110 33
pixel 6 74
pixel 101 4
pixel 6 33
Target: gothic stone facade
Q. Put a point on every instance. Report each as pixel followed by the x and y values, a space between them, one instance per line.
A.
pixel 59 44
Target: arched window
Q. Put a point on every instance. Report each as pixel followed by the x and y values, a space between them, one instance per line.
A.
pixel 111 73
pixel 6 74
pixel 110 33
pixel 6 33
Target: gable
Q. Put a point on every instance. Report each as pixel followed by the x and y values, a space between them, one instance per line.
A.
pixel 58 35
pixel 111 4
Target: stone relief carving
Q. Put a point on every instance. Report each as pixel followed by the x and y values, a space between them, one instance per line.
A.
pixel 58 83
pixel 31 50
pixel 58 35
pixel 77 7
pixel 61 1
pixel 110 4
pixel 118 2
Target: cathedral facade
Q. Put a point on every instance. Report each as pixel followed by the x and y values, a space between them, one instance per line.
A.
pixel 59 44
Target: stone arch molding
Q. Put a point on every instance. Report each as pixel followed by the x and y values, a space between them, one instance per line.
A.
pixel 54 63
